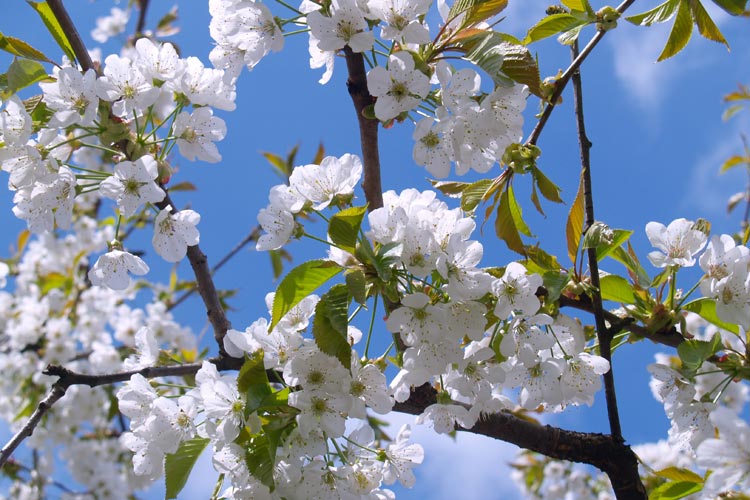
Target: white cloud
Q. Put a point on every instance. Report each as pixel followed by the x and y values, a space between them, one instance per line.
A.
pixel 708 190
pixel 471 466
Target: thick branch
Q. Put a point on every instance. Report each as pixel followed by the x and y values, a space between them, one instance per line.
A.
pixel 602 332
pixel 565 77
pixel 606 453
pixel 142 10
pixel 79 49
pixel 368 128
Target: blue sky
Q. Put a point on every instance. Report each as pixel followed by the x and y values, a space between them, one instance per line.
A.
pixel 658 141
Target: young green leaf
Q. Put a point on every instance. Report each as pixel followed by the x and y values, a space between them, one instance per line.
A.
pixel 344 227
pixel 177 465
pixel 473 194
pixel 680 34
pixel 620 237
pixel 505 226
pixel 574 225
pixel 658 14
pixel 674 490
pixel 579 5
pixel 24 72
pixel 53 26
pixel 502 59
pixel 617 289
pixel 733 7
pixel 253 382
pixel 549 189
pixel 706 309
pixel 694 352
pixel 22 49
pixel 679 474
pixel 706 26
pixel 552 25
pixel 356 283
pixel 330 324
pixel 260 459
pixel 298 284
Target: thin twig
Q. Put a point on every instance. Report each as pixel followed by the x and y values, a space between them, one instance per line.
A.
pixel 565 77
pixel 603 333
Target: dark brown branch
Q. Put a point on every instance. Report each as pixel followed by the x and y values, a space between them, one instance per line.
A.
pixel 603 334
pixel 251 236
pixel 206 287
pixel 79 48
pixel 565 77
pixel 142 10
pixel 368 128
pixel 604 452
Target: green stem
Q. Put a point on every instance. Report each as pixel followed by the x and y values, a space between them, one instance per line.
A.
pixel 372 324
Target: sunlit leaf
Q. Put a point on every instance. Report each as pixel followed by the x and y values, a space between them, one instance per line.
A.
pixel 343 227
pixel 706 309
pixel 473 194
pixel 53 26
pixel 552 25
pixel 617 289
pixel 706 26
pixel 330 324
pixel 658 14
pixel 505 226
pixel 733 7
pixel 178 465
pixel 574 225
pixel 20 48
pixel 680 34
pixel 298 284
pixel 24 72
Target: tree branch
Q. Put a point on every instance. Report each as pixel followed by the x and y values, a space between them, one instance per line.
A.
pixel 368 128
pixel 565 77
pixel 142 10
pixel 606 453
pixel 251 236
pixel 79 49
pixel 206 287
pixel 602 332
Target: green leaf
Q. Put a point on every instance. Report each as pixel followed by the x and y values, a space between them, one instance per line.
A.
pixel 505 225
pixel 549 189
pixel 694 352
pixel 473 194
pixel 451 189
pixel 538 260
pixel 733 7
pixel 24 72
pixel 330 325
pixel 706 309
pixel 570 36
pixel 639 275
pixel 53 26
pixel 620 237
pixel 356 283
pixel 617 289
pixel 579 5
pixel 706 26
pixel 658 14
pixel 278 163
pixel 260 459
pixel 680 34
pixel 298 284
pixel 554 282
pixel 344 227
pixel 476 11
pixel 253 382
pixel 674 490
pixel 552 25
pixel 516 212
pixel 503 60
pixel 183 186
pixel 574 225
pixel 679 474
pixel 166 25
pixel 177 465
pixel 20 48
